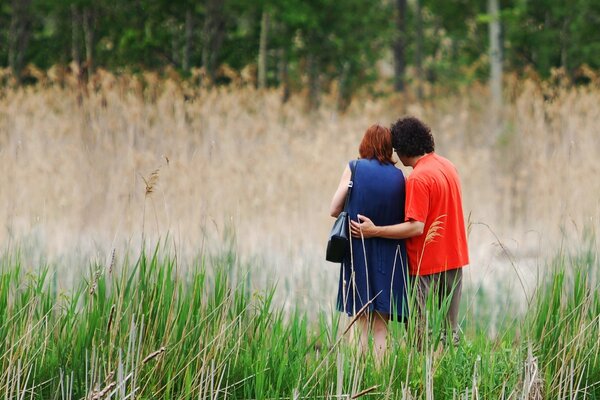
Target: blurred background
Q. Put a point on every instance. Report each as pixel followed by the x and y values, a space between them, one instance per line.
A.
pixel 213 124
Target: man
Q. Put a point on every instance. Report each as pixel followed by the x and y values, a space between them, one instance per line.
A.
pixel 434 226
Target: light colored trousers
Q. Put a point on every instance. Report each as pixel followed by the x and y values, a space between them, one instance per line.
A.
pixel 443 284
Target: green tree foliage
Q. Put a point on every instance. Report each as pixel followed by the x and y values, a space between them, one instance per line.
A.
pixel 333 40
pixel 457 39
pixel 549 34
pixel 311 44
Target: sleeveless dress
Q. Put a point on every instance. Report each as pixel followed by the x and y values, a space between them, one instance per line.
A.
pixel 376 267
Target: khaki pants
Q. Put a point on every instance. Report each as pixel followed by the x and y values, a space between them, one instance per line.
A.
pixel 443 284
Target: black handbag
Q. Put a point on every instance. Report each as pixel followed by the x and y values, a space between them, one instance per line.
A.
pixel 339 237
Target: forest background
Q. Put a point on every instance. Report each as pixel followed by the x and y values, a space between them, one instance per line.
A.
pixel 305 45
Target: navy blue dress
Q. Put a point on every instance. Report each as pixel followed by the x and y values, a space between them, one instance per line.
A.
pixel 376 267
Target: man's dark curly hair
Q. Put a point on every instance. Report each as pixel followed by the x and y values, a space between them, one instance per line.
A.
pixel 411 137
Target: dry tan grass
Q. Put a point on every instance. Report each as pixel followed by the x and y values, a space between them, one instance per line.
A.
pixel 74 161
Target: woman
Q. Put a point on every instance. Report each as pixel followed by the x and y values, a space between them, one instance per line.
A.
pixel 376 269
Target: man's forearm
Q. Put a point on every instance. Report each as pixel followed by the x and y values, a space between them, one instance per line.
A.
pixel 403 230
pixel 364 227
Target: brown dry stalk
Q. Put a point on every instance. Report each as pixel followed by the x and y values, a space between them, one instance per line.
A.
pixel 112 261
pixel 110 376
pixel 533 383
pixel 151 182
pixel 363 392
pixel 94 283
pixel 432 233
pixel 110 318
pixel 101 394
pixel 510 258
pixel 154 354
pixel 358 314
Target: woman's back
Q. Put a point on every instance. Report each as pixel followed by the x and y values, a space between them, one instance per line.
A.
pixel 376 267
pixel 378 192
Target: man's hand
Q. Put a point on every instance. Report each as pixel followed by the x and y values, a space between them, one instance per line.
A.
pixel 363 228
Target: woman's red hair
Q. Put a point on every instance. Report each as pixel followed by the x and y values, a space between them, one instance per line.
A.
pixel 377 143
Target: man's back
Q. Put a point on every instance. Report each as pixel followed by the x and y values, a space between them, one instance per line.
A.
pixel 433 196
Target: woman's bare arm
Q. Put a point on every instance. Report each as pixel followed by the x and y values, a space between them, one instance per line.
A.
pixel 337 202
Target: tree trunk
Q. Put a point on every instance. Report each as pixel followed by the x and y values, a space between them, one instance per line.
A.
pixel 262 51
pixel 18 36
pixel 88 31
pixel 189 34
pixel 564 45
pixel 75 35
pixel 313 82
pixel 175 43
pixel 495 54
pixel 283 76
pixel 419 50
pixel 399 46
pixel 344 92
pixel 213 33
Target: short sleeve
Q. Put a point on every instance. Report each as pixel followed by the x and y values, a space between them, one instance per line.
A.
pixel 417 200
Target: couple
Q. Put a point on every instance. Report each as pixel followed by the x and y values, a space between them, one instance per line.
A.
pixel 399 227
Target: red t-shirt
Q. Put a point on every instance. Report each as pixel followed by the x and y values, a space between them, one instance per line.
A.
pixel 433 196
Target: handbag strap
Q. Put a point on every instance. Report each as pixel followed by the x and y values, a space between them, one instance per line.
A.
pixel 353 165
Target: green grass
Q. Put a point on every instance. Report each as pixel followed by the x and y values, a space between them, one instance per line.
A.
pixel 153 329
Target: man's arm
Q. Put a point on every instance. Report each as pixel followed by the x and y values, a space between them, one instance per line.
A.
pixel 367 229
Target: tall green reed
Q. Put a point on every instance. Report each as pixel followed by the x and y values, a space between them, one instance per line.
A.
pixel 563 325
pixel 154 328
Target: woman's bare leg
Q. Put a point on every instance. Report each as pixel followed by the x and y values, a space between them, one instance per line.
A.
pixel 380 331
pixel 359 334
pixel 363 331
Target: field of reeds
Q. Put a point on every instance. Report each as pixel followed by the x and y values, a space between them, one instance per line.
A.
pixel 76 159
pixel 156 328
pixel 237 301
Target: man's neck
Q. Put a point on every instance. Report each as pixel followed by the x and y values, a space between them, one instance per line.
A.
pixel 412 161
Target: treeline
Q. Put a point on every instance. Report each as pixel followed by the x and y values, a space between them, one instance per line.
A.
pixel 304 44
